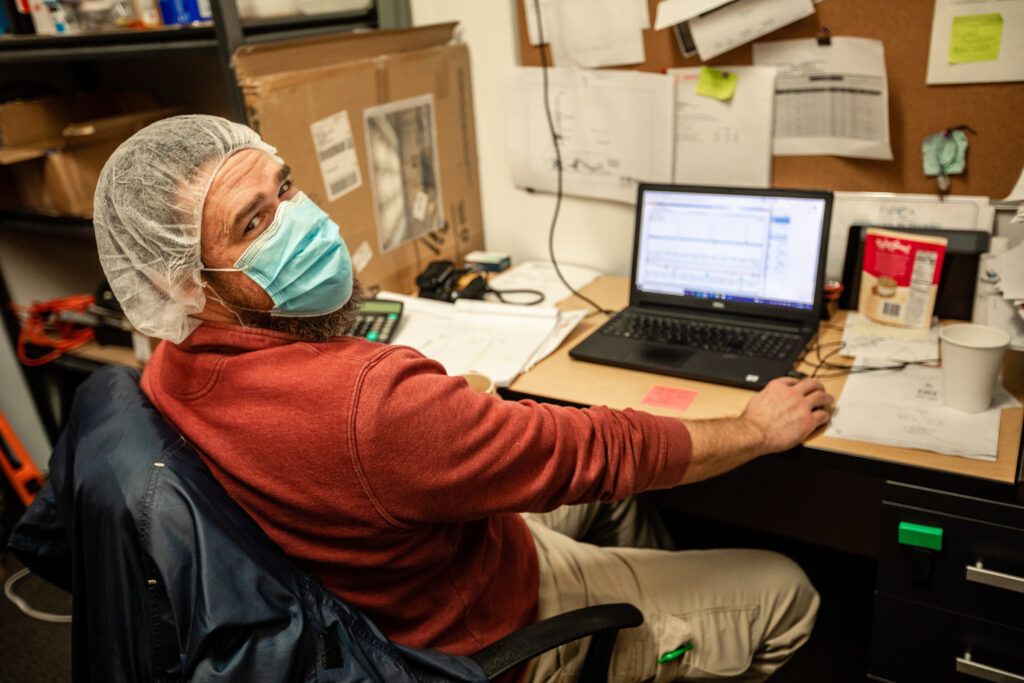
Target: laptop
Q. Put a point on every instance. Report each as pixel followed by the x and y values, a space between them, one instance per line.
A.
pixel 727 284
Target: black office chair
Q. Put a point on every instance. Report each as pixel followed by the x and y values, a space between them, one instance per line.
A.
pixel 172 580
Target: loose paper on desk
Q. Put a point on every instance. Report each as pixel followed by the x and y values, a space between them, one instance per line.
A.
pixel 585 32
pixel 742 21
pixel 829 99
pixel 541 276
pixel 725 143
pixel 592 33
pixel 614 127
pixel 905 408
pixel 976 41
pixel 874 343
pixel 494 339
pixel 889 210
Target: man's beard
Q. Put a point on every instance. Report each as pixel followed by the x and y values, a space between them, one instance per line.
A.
pixel 308 328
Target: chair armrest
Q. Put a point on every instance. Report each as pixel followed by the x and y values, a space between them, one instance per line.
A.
pixel 528 642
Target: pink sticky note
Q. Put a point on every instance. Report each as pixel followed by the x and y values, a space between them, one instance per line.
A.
pixel 667 397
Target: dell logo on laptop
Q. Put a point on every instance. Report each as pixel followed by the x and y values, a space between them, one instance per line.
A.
pixel 717 304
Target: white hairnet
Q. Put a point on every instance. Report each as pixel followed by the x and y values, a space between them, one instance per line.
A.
pixel 147 212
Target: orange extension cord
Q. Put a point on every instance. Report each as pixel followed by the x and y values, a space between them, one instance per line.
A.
pixel 41 326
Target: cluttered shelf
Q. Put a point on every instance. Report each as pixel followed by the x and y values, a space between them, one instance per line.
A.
pixel 176 39
pixel 113 44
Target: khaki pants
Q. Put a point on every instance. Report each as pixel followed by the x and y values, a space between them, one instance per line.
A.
pixel 745 611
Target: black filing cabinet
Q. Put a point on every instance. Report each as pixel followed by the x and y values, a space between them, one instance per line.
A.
pixel 949 600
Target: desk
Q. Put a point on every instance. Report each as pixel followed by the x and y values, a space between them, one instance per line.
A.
pixel 854 496
pixel 562 378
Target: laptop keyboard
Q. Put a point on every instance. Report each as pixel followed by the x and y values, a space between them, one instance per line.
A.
pixel 741 341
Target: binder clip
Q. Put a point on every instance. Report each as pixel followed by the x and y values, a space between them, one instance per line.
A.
pixel 825 35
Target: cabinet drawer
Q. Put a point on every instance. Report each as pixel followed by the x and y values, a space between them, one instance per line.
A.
pixel 978 570
pixel 912 643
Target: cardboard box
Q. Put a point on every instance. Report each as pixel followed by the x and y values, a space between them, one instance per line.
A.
pixel 52 149
pixel 407 96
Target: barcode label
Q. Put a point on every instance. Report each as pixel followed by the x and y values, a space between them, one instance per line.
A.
pixel 336 152
pixel 338 188
pixel 890 309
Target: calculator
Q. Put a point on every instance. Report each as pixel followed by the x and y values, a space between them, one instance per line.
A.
pixel 376 320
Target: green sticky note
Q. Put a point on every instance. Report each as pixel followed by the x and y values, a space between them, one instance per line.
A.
pixel 976 38
pixel 941 153
pixel 716 83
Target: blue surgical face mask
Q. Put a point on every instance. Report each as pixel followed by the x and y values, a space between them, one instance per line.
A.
pixel 300 260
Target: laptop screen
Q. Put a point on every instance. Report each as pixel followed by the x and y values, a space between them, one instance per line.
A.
pixel 749 247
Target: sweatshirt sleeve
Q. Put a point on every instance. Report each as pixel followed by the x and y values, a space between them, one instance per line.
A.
pixel 433 450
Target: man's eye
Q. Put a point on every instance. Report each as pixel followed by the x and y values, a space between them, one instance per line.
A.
pixel 284 188
pixel 252 225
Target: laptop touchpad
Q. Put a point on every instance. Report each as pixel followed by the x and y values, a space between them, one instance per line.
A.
pixel 665 356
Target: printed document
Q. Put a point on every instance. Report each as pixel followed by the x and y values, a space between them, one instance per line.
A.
pixel 742 21
pixel 609 29
pixel 672 12
pixel 725 142
pixel 875 343
pixel 497 340
pixel 905 408
pixel 976 41
pixel 830 99
pixel 614 128
pixel 594 33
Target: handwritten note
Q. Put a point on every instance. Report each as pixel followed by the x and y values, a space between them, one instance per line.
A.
pixel 976 38
pixel 715 83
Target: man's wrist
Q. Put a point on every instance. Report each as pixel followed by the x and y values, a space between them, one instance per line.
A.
pixel 753 435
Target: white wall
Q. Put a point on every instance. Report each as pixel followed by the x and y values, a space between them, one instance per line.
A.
pixel 589 232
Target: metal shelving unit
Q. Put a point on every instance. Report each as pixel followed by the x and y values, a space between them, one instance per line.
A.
pixel 221 37
pixel 226 33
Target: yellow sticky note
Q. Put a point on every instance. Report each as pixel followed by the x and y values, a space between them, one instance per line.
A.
pixel 716 83
pixel 976 38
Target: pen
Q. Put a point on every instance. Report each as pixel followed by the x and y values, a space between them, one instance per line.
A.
pixel 669 656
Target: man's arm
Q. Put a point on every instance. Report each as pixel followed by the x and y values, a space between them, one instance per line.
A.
pixel 778 418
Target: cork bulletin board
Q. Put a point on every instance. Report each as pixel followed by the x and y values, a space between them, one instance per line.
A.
pixel 995 111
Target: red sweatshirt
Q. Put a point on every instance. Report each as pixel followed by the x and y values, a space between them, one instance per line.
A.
pixel 396 485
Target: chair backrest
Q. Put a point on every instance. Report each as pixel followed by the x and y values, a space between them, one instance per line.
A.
pixel 172 580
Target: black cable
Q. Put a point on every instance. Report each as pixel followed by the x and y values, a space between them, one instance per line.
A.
pixel 558 165
pixel 845 370
pixel 501 292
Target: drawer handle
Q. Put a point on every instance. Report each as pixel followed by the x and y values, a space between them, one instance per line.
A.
pixel 964 665
pixel 979 574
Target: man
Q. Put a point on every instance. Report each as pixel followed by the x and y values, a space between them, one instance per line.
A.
pixel 449 517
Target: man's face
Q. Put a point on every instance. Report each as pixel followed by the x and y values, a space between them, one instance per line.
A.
pixel 240 205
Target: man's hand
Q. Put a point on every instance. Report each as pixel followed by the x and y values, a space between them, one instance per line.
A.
pixel 786 411
pixel 782 415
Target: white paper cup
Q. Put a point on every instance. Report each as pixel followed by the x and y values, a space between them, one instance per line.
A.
pixel 971 358
pixel 480 382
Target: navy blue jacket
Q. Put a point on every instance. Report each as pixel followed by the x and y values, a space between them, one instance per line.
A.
pixel 172 580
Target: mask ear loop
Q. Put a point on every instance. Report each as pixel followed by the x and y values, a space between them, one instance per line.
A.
pixel 232 308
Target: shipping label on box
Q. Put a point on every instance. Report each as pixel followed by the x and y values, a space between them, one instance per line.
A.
pixel 378 130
